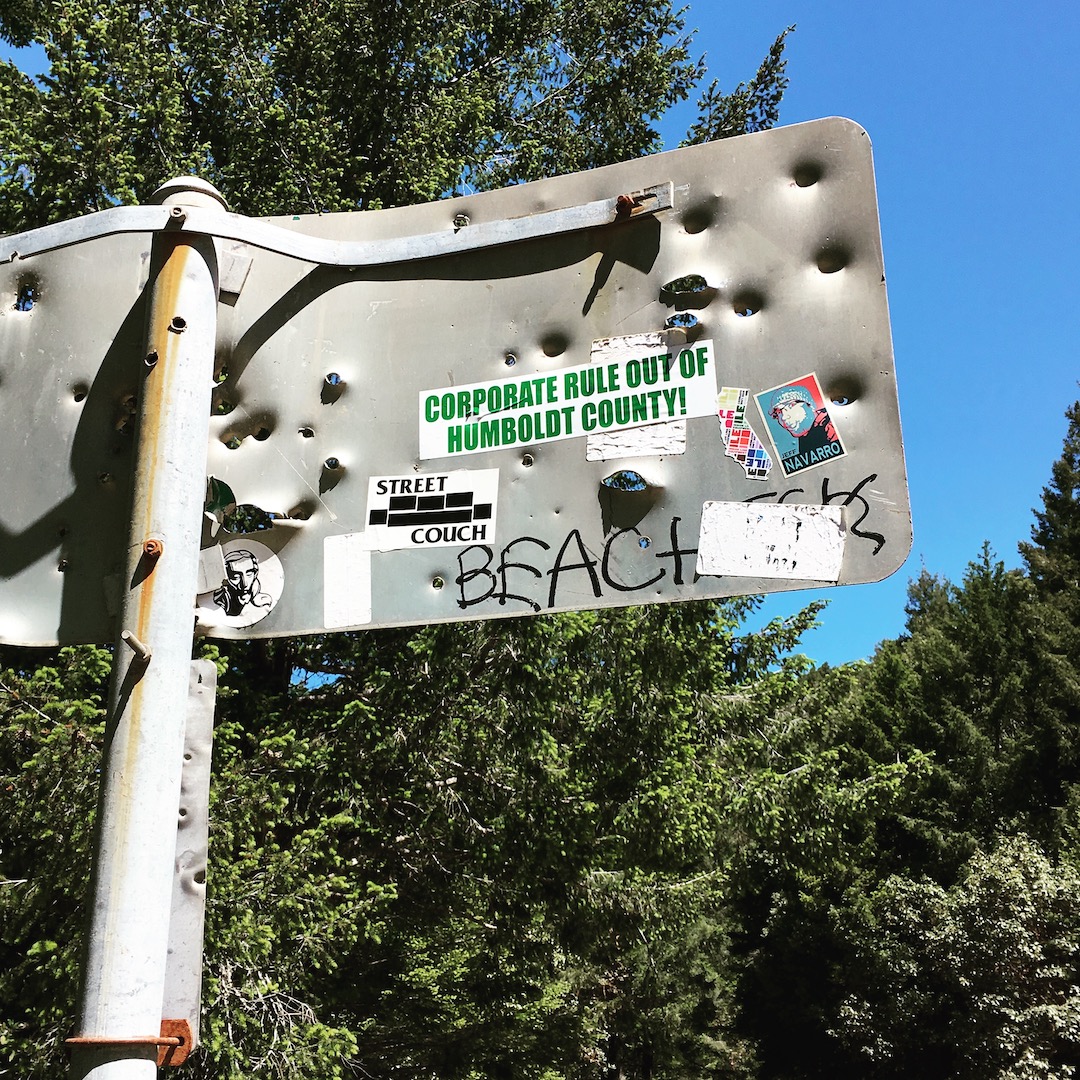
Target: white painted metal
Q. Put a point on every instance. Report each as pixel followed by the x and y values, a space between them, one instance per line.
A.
pixel 125 972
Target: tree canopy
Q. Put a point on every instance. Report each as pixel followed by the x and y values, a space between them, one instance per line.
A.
pixel 637 844
pixel 348 104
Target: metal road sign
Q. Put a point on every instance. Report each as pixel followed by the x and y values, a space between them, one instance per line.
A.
pixel 662 380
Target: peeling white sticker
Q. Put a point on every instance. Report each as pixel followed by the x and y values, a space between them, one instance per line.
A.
pixel 432 509
pixel 346 581
pixel 248 589
pixel 602 348
pixel 211 568
pixel 627 385
pixel 655 440
pixel 767 540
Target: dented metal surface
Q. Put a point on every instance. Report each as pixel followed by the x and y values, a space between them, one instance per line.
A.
pixel 183 968
pixel 769 253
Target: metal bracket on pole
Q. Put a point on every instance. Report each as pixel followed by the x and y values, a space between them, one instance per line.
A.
pixel 174 1044
pixel 460 236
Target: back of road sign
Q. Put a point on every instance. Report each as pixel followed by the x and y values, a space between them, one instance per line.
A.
pixel 690 402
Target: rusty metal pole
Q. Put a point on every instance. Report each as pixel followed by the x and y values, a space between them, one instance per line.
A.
pixel 121 1015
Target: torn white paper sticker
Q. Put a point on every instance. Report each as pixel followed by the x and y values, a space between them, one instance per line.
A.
pixel 211 568
pixel 768 540
pixel 655 440
pixel 346 581
pixel 431 509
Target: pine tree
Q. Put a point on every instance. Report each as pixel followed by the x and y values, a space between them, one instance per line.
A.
pixel 1053 556
pixel 1053 561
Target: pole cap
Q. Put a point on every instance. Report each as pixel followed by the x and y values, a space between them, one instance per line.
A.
pixel 189 191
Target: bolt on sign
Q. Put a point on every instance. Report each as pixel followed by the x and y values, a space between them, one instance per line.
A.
pixel 663 380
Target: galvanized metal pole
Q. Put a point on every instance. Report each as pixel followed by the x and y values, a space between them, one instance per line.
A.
pixel 129 921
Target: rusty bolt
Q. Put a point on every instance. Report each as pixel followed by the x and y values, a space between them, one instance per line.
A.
pixel 153 548
pixel 624 205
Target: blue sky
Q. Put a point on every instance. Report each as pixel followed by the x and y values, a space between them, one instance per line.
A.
pixel 971 109
pixel 972 113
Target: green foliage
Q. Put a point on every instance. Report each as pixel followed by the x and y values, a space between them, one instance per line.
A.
pixel 1053 561
pixel 752 106
pixel 615 844
pixel 1053 556
pixel 940 941
pixel 541 803
pixel 51 727
pixel 344 105
pixel 957 686
pixel 975 981
pixel 493 849
pixel 463 852
pixel 639 843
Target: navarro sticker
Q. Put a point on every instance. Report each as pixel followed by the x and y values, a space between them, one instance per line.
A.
pixel 799 425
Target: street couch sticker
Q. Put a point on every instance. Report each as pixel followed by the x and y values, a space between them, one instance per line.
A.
pixel 799 424
pixel 626 390
pixel 251 583
pixel 431 509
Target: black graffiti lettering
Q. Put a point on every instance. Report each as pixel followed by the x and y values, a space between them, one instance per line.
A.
pixel 827 498
pixel 605 565
pixel 482 577
pixel 845 498
pixel 676 553
pixel 504 566
pixel 585 564
pixel 467 576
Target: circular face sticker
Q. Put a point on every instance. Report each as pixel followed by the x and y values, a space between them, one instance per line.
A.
pixel 251 585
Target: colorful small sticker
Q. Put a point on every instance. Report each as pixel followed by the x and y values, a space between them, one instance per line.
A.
pixel 799 425
pixel 250 586
pixel 739 438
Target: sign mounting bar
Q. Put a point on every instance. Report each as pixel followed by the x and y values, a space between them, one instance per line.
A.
pixel 461 236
